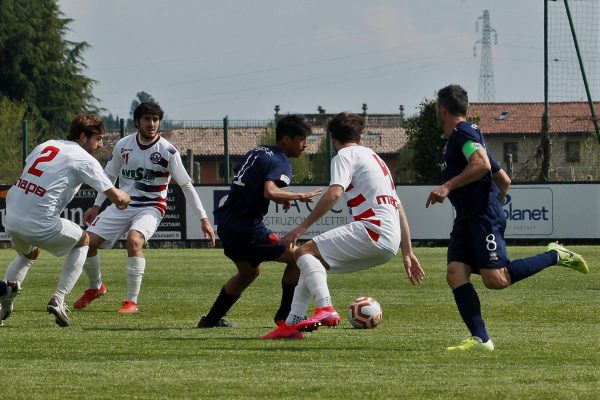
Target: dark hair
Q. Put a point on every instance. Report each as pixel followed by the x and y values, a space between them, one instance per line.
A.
pixel 147 108
pixel 346 127
pixel 292 126
pixel 454 98
pixel 89 124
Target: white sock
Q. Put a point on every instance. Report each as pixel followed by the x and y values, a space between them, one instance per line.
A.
pixel 70 272
pixel 18 268
pixel 92 270
pixel 300 302
pixel 134 274
pixel 315 278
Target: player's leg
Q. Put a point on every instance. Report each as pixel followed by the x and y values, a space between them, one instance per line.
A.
pixel 73 242
pixel 247 250
pixel 143 226
pixel 230 293
pixel 458 275
pixel 289 281
pixel 93 271
pixel 134 271
pixel 103 233
pixel 26 256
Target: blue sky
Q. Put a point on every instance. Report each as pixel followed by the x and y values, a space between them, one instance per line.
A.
pixel 207 59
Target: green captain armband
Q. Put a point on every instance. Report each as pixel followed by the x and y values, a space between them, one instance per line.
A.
pixel 470 147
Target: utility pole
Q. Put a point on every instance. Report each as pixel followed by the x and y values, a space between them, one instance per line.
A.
pixel 486 70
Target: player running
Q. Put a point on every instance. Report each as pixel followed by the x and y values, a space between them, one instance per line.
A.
pixel 53 173
pixel 379 229
pixel 144 164
pixel 259 179
pixel 477 239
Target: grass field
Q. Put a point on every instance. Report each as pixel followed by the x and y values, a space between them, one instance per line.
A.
pixel 546 330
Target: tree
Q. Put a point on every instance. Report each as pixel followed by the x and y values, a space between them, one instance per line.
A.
pixel 426 142
pixel 140 97
pixel 40 68
pixel 12 115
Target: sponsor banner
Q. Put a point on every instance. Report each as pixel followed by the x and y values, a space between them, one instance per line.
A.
pixel 172 226
pixel 559 211
pixel 529 211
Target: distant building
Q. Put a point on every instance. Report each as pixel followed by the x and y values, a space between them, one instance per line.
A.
pixel 513 130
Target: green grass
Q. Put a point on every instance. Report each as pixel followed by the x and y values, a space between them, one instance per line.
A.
pixel 546 330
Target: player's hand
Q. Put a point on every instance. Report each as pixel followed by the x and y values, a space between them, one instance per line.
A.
pixel 438 195
pixel 308 196
pixel 414 272
pixel 209 232
pixel 292 236
pixel 123 201
pixel 501 197
pixel 90 215
pixel 286 205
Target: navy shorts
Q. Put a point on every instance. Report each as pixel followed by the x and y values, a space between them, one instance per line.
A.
pixel 479 240
pixel 254 247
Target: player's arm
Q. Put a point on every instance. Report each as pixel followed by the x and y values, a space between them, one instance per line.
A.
pixel 191 198
pixel 478 165
pixel 117 196
pixel 182 178
pixel 502 180
pixel 325 203
pixel 274 193
pixel 412 266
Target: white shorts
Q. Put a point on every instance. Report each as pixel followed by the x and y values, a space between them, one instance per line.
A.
pixel 349 248
pixel 58 242
pixel 112 223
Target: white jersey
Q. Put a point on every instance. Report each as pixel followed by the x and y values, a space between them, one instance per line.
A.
pixel 144 171
pixel 53 173
pixel 370 193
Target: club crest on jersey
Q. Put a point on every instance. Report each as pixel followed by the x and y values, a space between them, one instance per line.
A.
pixel 156 158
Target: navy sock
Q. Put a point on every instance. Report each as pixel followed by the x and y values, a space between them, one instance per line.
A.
pixel 469 308
pixel 3 288
pixel 222 304
pixel 287 295
pixel 525 267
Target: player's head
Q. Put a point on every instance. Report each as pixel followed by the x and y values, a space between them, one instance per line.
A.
pixel 291 133
pixel 147 117
pixel 346 127
pixel 87 130
pixel 454 99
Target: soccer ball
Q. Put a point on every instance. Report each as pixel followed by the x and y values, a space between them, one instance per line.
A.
pixel 364 313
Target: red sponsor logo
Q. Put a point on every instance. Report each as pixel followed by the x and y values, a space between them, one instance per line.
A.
pixel 30 187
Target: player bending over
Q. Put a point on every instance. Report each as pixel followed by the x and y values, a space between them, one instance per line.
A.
pixel 53 173
pixel 379 230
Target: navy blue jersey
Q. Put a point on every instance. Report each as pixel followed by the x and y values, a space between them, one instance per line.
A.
pixel 246 205
pixel 474 197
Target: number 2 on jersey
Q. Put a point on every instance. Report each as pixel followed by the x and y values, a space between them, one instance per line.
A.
pixel 43 159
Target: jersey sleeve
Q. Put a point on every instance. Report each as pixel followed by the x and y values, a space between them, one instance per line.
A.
pixel 92 174
pixel 177 170
pixel 342 169
pixel 113 167
pixel 278 170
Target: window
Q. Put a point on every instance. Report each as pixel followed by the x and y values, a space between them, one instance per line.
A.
pixel 503 115
pixel 513 149
pixel 573 152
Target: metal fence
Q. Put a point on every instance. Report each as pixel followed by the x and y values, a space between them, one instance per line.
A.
pixel 209 146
